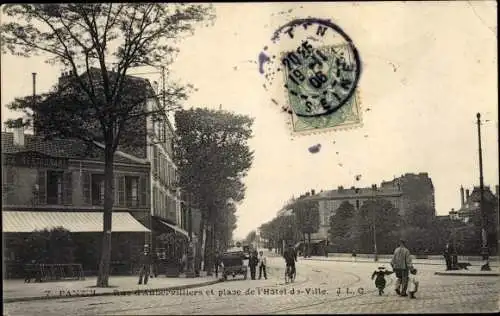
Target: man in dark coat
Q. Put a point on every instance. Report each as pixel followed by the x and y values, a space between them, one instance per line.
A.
pixel 218 261
pixel 144 265
pixel 447 256
pixel 401 264
pixel 252 264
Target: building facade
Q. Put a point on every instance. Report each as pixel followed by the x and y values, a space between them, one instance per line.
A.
pixel 46 184
pixel 469 202
pixel 404 193
pixel 152 140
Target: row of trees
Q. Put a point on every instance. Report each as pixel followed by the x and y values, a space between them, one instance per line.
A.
pixel 378 224
pixel 213 156
pixel 102 105
pixel 378 220
pixel 299 225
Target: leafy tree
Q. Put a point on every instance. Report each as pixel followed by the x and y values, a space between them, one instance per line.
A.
pixel 377 219
pixel 251 237
pixel 306 212
pixel 340 224
pixel 46 246
pixel 213 156
pixel 420 216
pixel 226 223
pixel 104 36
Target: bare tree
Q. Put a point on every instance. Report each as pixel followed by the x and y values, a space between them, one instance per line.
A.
pixel 99 43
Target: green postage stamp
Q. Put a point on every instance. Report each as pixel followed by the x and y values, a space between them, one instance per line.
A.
pixel 319 68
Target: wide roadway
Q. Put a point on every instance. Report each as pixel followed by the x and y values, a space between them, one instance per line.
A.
pixel 320 287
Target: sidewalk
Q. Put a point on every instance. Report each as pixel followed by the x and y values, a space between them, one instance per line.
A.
pixel 474 264
pixel 17 290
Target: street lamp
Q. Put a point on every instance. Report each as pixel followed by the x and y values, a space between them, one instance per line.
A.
pixel 375 257
pixel 484 244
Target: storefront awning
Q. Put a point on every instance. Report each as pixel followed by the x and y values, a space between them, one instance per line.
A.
pixel 177 229
pixel 25 222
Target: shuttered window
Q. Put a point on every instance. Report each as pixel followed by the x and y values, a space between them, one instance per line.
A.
pixel 42 187
pixel 132 191
pixel 155 162
pixel 121 190
pixel 86 188
pixel 68 188
pixel 155 204
pixel 143 189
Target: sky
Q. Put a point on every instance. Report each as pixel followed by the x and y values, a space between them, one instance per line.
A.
pixel 428 68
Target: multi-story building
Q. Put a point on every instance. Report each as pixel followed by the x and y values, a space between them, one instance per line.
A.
pixel 404 193
pixel 46 184
pixel 469 202
pixel 155 144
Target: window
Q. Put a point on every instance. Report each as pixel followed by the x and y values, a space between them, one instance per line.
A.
pixel 97 187
pixel 55 187
pixel 155 162
pixel 132 191
pixel 155 204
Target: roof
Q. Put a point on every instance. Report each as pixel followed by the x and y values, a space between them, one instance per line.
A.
pixel 26 222
pixel 62 148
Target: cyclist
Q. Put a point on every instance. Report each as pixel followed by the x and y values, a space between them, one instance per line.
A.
pixel 290 256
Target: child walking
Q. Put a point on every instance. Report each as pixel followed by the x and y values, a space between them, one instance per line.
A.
pixel 412 283
pixel 380 280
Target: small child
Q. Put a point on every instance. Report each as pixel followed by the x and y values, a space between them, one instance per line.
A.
pixel 412 283
pixel 380 280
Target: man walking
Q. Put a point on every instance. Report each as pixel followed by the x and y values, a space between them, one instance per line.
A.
pixel 144 264
pixel 401 264
pixel 262 265
pixel 252 264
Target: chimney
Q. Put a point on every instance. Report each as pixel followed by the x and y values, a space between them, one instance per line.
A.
pixel 374 186
pixel 19 136
pixel 340 188
pixel 312 192
pixel 467 194
pixel 462 198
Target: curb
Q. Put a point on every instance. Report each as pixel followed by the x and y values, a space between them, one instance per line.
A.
pixel 467 274
pixel 419 263
pixel 114 293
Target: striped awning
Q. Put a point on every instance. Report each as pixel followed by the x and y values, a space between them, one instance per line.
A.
pixel 25 222
pixel 175 228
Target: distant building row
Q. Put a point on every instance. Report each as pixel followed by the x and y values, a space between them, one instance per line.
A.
pixel 403 192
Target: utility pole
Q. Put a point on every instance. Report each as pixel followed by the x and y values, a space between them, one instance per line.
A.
pixel 375 257
pixel 484 234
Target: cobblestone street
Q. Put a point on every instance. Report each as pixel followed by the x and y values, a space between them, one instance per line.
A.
pixel 321 287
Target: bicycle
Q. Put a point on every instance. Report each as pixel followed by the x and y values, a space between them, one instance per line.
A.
pixel 289 276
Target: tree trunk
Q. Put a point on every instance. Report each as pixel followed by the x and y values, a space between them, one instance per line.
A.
pixel 203 245
pixel 305 244
pixel 103 276
pixel 309 245
pixel 208 248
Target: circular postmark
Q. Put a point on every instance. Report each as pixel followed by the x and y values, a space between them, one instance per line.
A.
pixel 315 62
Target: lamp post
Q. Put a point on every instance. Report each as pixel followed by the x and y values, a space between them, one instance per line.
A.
pixel 484 239
pixel 375 252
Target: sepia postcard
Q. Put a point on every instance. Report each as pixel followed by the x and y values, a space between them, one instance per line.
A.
pixel 250 158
